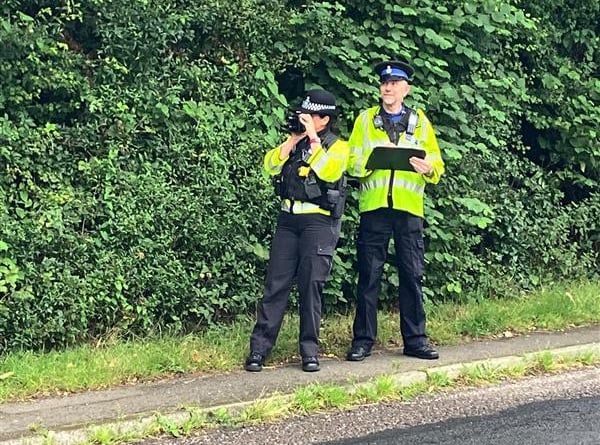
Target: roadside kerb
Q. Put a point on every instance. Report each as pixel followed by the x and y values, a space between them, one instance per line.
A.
pixel 140 423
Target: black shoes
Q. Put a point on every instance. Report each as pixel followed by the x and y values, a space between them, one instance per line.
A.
pixel 254 362
pixel 310 364
pixel 357 353
pixel 425 352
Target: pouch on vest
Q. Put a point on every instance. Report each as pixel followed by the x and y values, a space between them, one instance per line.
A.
pixel 337 198
pixel 277 181
pixel 311 186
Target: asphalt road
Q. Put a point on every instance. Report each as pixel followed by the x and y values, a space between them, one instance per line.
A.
pixel 560 409
pixel 565 422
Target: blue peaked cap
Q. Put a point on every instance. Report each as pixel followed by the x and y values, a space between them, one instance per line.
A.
pixel 393 70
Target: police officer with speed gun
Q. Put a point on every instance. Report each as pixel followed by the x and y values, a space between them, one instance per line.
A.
pixel 308 175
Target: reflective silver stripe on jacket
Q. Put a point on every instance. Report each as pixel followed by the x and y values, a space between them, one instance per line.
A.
pixel 322 161
pixel 300 207
pixel 424 131
pixel 412 122
pixel 360 151
pixel 382 183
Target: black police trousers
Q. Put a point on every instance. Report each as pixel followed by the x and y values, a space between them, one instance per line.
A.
pixel 374 233
pixel 302 247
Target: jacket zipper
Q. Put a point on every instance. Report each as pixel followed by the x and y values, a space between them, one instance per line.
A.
pixel 390 197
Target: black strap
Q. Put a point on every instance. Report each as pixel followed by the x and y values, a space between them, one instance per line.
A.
pixel 328 140
pixel 395 129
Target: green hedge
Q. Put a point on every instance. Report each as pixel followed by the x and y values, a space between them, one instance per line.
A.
pixel 132 133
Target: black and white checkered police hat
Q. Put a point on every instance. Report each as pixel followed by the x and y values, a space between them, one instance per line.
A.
pixel 318 102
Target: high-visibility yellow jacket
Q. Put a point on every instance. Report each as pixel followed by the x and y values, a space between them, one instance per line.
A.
pixel 329 165
pixel 380 188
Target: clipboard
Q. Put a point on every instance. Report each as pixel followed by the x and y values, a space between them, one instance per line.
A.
pixel 393 158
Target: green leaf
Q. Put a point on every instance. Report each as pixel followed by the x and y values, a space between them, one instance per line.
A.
pixel 363 40
pixel 25 18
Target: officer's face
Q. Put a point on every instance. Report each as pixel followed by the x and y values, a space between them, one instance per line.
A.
pixel 320 122
pixel 393 92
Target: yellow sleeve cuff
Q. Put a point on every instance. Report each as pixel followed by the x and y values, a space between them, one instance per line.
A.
pixel 276 157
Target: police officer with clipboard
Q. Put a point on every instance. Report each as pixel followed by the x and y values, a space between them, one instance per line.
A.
pixel 391 205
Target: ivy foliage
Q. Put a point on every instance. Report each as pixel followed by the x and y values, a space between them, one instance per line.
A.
pixel 132 134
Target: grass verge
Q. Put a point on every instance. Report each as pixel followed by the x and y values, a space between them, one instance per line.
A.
pixel 223 348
